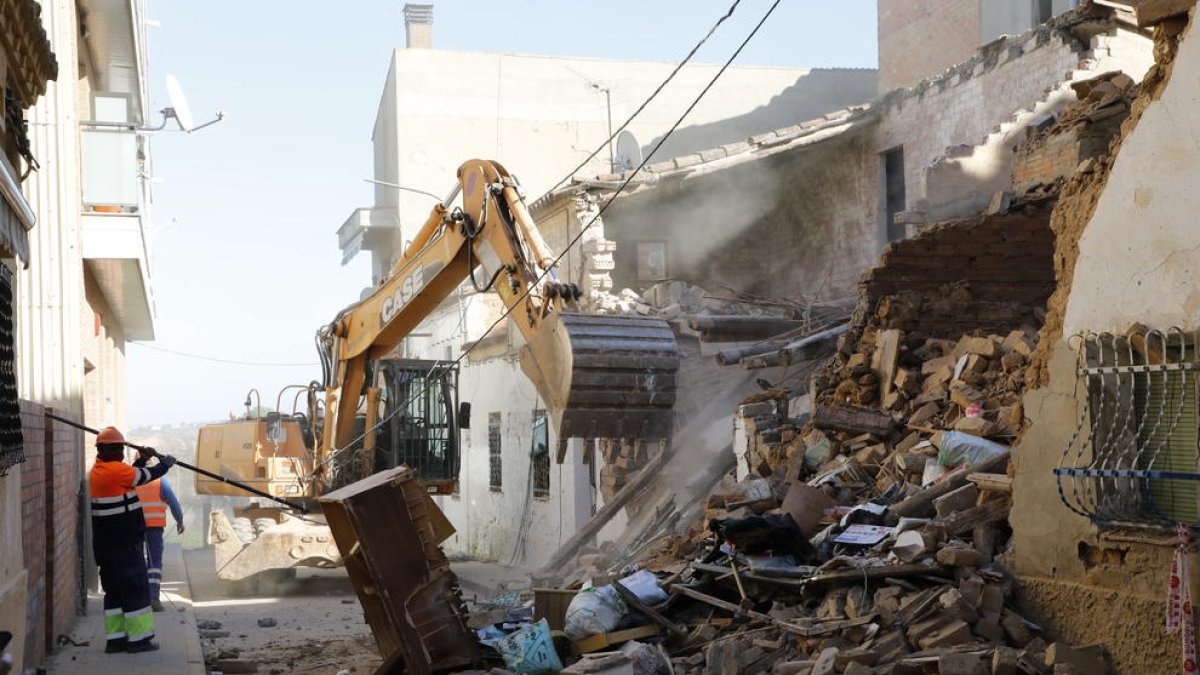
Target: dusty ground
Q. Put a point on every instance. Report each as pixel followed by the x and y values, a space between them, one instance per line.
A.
pixel 319 624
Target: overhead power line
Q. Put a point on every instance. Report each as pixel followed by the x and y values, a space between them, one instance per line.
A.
pixel 678 67
pixel 216 359
pixel 575 241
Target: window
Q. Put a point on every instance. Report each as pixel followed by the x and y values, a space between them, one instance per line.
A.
pixel 11 441
pixel 495 468
pixel 894 193
pixel 651 261
pixel 1133 459
pixel 540 455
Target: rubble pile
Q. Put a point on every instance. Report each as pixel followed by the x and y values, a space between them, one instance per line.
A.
pixel 865 532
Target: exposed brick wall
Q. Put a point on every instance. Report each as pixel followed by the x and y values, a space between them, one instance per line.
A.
pixel 64 451
pixel 33 521
pixel 920 39
pixel 798 223
pixel 972 101
pixel 1057 154
pixel 50 511
pixel 1006 261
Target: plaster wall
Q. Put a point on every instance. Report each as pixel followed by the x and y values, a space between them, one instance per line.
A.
pixel 1138 261
pixel 489 521
pixel 540 116
pixel 796 223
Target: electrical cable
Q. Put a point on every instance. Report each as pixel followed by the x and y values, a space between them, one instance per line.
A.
pixel 574 241
pixel 214 359
pixel 653 95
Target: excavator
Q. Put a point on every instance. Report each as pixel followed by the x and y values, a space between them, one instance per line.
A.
pixel 598 376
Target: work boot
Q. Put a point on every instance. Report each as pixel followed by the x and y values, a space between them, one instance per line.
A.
pixel 142 646
pixel 156 605
pixel 115 646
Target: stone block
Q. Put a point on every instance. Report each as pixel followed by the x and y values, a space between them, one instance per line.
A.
pixel 1084 659
pixel 959 500
pixel 959 557
pixel 961 664
pixel 1006 661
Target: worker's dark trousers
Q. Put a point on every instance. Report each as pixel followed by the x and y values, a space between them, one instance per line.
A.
pixel 127 617
pixel 154 551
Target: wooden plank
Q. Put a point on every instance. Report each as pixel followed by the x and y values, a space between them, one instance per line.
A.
pixel 595 643
pixel 584 534
pixel 803 631
pixel 635 602
pixel 853 420
pixel 991 482
pixel 921 504
pixel 881 572
pixel 884 360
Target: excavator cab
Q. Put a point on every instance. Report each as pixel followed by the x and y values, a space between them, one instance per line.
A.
pixel 424 434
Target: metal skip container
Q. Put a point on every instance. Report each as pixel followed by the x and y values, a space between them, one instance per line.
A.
pixel 389 532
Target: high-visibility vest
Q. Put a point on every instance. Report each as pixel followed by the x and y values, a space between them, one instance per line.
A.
pixel 153 506
pixel 115 505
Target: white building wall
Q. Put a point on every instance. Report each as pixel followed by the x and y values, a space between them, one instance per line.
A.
pixel 540 116
pixel 50 291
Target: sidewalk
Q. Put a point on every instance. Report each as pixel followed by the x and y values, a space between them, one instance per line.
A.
pixel 176 632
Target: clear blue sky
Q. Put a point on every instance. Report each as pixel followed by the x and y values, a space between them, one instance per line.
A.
pixel 245 257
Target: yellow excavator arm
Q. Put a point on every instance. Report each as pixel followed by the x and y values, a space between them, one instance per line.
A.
pixel 598 376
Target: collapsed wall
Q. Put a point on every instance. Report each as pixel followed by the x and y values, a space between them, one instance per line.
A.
pixel 1124 253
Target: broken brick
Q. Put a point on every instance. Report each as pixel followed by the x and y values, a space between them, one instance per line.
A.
pixel 959 557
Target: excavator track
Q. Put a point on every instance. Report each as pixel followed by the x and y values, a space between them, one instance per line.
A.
pixel 605 376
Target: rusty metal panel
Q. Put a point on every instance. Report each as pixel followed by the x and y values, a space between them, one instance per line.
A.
pixel 389 530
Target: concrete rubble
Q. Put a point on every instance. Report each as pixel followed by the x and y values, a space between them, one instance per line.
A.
pixel 866 533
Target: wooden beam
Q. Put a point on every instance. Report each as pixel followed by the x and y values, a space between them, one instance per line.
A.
pixel 921 504
pixel 853 420
pixel 635 602
pixel 992 482
pixel 633 488
pixel 595 643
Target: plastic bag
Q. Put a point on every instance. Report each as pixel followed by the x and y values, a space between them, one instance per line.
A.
pixel 530 651
pixel 645 586
pixel 593 611
pixel 956 448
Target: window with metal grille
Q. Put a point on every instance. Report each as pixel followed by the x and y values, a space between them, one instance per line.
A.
pixel 540 455
pixel 12 446
pixel 495 467
pixel 1134 458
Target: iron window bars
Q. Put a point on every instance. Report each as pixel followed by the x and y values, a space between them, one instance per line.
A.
pixel 1133 457
pixel 12 444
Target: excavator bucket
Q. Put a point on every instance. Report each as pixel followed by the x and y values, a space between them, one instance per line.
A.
pixel 604 376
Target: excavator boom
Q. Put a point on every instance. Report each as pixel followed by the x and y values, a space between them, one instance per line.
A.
pixel 598 376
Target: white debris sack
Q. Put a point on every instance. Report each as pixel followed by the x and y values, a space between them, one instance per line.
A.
pixel 593 611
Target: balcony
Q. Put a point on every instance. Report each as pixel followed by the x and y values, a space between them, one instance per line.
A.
pixel 114 221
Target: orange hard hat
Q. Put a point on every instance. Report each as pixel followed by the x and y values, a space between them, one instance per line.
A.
pixel 109 435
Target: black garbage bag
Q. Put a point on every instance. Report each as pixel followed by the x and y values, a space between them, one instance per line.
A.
pixel 772 533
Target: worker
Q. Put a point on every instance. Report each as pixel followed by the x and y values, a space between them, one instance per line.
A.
pixel 156 496
pixel 118 541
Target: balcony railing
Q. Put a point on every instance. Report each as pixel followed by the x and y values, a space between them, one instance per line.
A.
pixel 111 168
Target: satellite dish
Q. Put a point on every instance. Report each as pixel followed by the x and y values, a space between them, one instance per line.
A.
pixel 179 104
pixel 628 151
